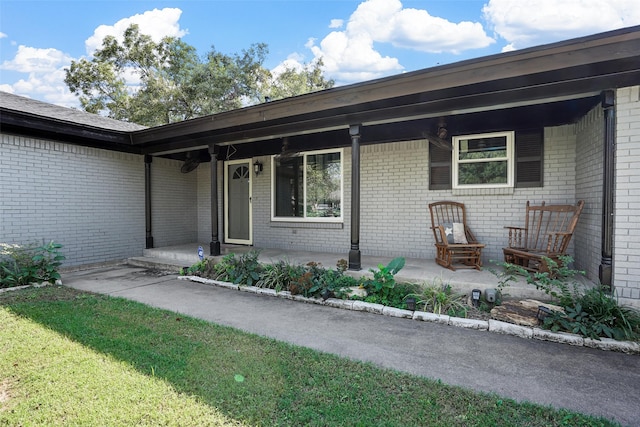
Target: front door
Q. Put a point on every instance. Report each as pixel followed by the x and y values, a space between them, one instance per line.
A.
pixel 238 229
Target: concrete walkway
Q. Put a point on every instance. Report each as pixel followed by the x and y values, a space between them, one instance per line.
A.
pixel 582 379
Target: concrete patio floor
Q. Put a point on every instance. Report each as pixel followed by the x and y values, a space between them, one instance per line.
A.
pixel 415 270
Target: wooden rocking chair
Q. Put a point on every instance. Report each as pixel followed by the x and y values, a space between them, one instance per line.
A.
pixel 455 243
pixel 546 233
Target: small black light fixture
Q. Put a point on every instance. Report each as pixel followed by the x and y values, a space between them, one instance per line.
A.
pixel 475 297
pixel 257 168
pixel 411 303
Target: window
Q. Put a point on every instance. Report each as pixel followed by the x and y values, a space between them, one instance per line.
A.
pixel 485 161
pixel 308 187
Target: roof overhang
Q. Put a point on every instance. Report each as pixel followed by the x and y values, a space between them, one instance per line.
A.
pixel 542 86
pixel 555 75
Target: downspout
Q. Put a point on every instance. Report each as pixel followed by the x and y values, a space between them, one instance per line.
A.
pixel 605 271
pixel 147 200
pixel 354 254
pixel 214 245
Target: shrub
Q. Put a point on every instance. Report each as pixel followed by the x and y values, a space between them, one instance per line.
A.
pixel 597 314
pixel 380 288
pixel 278 275
pixel 439 298
pixel 23 265
pixel 243 270
pixel 592 313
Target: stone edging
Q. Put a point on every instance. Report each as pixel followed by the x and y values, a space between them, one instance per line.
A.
pixel 33 285
pixel 491 325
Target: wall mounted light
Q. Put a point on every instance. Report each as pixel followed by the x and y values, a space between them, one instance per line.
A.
pixel 257 168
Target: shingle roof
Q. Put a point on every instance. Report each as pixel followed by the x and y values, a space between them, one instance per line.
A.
pixel 30 106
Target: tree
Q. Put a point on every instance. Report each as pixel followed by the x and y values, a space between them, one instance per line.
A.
pixel 292 82
pixel 153 83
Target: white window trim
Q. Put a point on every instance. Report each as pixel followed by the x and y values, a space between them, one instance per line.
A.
pixel 510 158
pixel 304 154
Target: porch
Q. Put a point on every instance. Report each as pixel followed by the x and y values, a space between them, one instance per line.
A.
pixel 415 270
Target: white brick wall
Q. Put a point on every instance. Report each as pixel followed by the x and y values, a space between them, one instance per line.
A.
pixel 89 200
pixel 589 175
pixel 626 262
pixel 394 202
pixel 174 219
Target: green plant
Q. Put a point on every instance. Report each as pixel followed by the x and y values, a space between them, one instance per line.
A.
pixel 380 287
pixel 592 313
pixel 278 275
pixel 242 270
pixel 202 268
pixel 439 298
pixel 597 314
pixel 23 265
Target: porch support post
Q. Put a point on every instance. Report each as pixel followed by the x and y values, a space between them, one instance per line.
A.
pixel 147 200
pixel 354 254
pixel 214 246
pixel 605 270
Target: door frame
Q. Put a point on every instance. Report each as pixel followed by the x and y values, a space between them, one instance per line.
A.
pixel 228 163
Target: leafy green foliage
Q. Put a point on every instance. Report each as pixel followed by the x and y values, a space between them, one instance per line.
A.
pixel 242 270
pixel 278 275
pixel 591 312
pixel 383 282
pixel 439 298
pixel 173 83
pixel 597 314
pixel 24 265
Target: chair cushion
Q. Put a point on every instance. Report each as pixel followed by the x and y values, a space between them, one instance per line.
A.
pixel 455 233
pixel 459 235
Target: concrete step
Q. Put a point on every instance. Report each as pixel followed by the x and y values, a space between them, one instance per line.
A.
pixel 157 263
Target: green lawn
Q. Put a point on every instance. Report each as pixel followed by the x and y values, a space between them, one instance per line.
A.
pixel 73 358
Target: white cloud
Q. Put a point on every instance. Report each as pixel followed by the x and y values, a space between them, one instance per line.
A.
pixel 34 60
pixel 157 23
pixel 336 23
pixel 534 22
pixel 44 67
pixel 350 55
pixel 2 35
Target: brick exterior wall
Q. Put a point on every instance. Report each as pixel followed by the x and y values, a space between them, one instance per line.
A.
pixel 395 217
pixel 626 251
pixel 174 219
pixel 589 176
pixel 89 200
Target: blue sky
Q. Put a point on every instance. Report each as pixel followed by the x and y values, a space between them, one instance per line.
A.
pixel 358 40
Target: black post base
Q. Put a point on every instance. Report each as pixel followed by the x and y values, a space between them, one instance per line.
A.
pixel 354 260
pixel 214 248
pixel 604 274
pixel 149 243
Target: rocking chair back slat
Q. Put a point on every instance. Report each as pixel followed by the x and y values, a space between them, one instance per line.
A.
pixel 547 233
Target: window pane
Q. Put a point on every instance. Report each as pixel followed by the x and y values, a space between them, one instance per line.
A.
pixel 323 185
pixel 482 173
pixel 483 148
pixel 289 187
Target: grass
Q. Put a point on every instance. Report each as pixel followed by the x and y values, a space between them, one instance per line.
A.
pixel 73 358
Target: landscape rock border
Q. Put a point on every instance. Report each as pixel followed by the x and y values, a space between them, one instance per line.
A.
pixel 495 326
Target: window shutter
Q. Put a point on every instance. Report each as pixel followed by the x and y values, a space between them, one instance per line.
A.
pixel 439 168
pixel 529 155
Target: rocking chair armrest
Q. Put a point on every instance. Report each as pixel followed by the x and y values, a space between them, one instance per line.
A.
pixel 514 228
pixel 439 234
